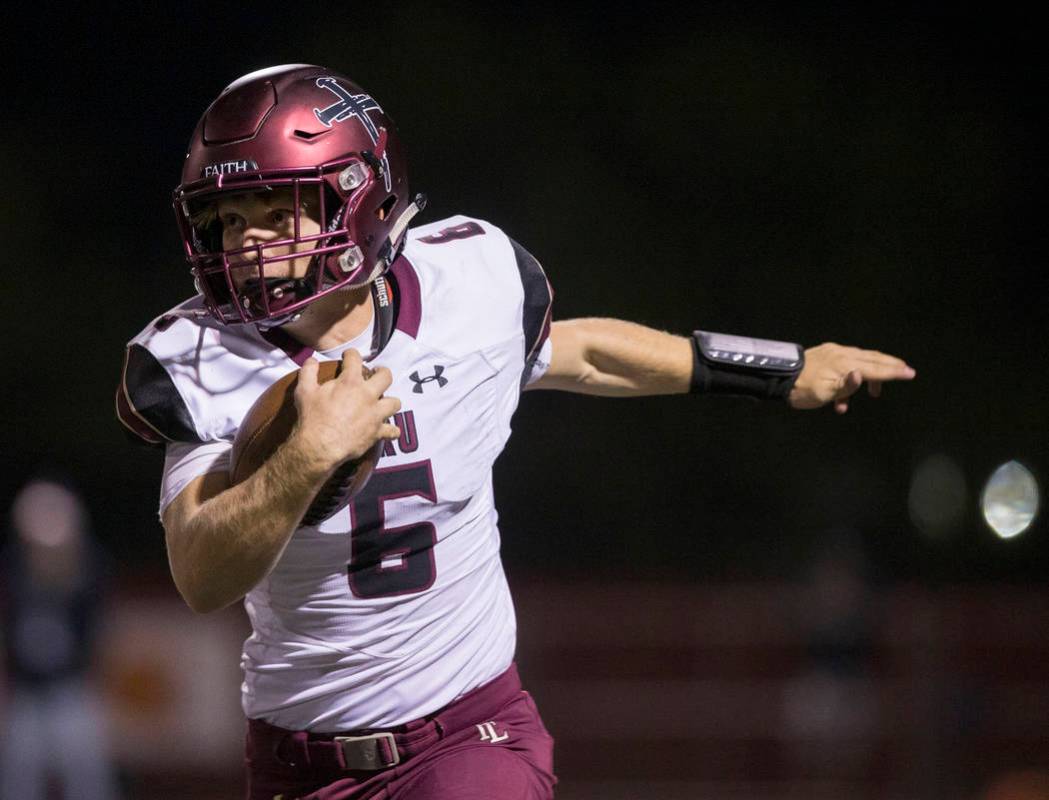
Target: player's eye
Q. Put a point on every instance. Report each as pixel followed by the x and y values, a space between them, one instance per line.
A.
pixel 231 221
pixel 280 216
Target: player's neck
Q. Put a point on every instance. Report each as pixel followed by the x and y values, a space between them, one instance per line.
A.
pixel 333 319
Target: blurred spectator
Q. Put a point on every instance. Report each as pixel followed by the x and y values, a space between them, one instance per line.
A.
pixel 53 727
pixel 830 707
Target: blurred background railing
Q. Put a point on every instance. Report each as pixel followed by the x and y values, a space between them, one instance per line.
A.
pixel 659 691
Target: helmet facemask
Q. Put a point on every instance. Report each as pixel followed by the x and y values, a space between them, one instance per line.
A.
pixel 251 283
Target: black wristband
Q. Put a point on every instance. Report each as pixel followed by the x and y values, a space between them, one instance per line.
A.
pixel 743 377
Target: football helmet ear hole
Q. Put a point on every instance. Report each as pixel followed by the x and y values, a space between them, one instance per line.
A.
pixel 383 211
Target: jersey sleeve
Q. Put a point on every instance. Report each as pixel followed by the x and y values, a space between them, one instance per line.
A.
pixel 184 463
pixel 148 403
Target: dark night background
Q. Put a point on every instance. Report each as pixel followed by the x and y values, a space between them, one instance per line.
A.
pixel 802 172
pixel 813 174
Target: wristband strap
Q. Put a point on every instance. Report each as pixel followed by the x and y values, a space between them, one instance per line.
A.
pixel 756 368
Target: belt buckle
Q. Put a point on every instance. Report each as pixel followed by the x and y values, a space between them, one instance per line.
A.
pixel 365 752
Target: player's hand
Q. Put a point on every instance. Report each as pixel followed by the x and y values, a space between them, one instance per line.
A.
pixel 833 373
pixel 342 418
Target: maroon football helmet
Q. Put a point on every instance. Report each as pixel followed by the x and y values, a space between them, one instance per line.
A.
pixel 313 131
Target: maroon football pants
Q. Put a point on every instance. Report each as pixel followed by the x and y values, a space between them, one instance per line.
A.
pixel 488 744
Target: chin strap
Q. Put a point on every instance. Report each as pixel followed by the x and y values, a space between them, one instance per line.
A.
pixel 382 330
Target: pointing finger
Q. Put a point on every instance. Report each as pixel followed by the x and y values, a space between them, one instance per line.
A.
pixel 873 358
pixel 876 356
pixel 876 371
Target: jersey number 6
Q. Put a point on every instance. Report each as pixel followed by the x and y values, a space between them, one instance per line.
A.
pixel 386 562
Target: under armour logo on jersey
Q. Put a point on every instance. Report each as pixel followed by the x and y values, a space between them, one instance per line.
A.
pixel 437 370
pixel 488 733
pixel 352 105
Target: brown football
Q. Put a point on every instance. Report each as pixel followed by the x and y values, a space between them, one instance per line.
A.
pixel 269 423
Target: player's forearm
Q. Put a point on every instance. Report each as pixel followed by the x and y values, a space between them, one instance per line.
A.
pixel 616 358
pixel 235 538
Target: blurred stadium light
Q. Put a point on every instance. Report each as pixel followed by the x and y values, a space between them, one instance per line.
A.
pixel 1010 500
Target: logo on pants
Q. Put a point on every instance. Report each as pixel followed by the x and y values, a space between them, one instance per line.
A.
pixel 489 734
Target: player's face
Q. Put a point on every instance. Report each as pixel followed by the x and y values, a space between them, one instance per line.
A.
pixel 258 218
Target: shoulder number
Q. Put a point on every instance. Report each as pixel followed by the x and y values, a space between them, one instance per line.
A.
pixel 464 231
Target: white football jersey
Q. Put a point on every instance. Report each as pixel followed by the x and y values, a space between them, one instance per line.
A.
pixel 396 604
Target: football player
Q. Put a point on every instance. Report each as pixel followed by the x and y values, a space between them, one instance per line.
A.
pixel 381 658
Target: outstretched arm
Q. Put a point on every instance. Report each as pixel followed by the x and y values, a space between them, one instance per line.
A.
pixel 614 358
